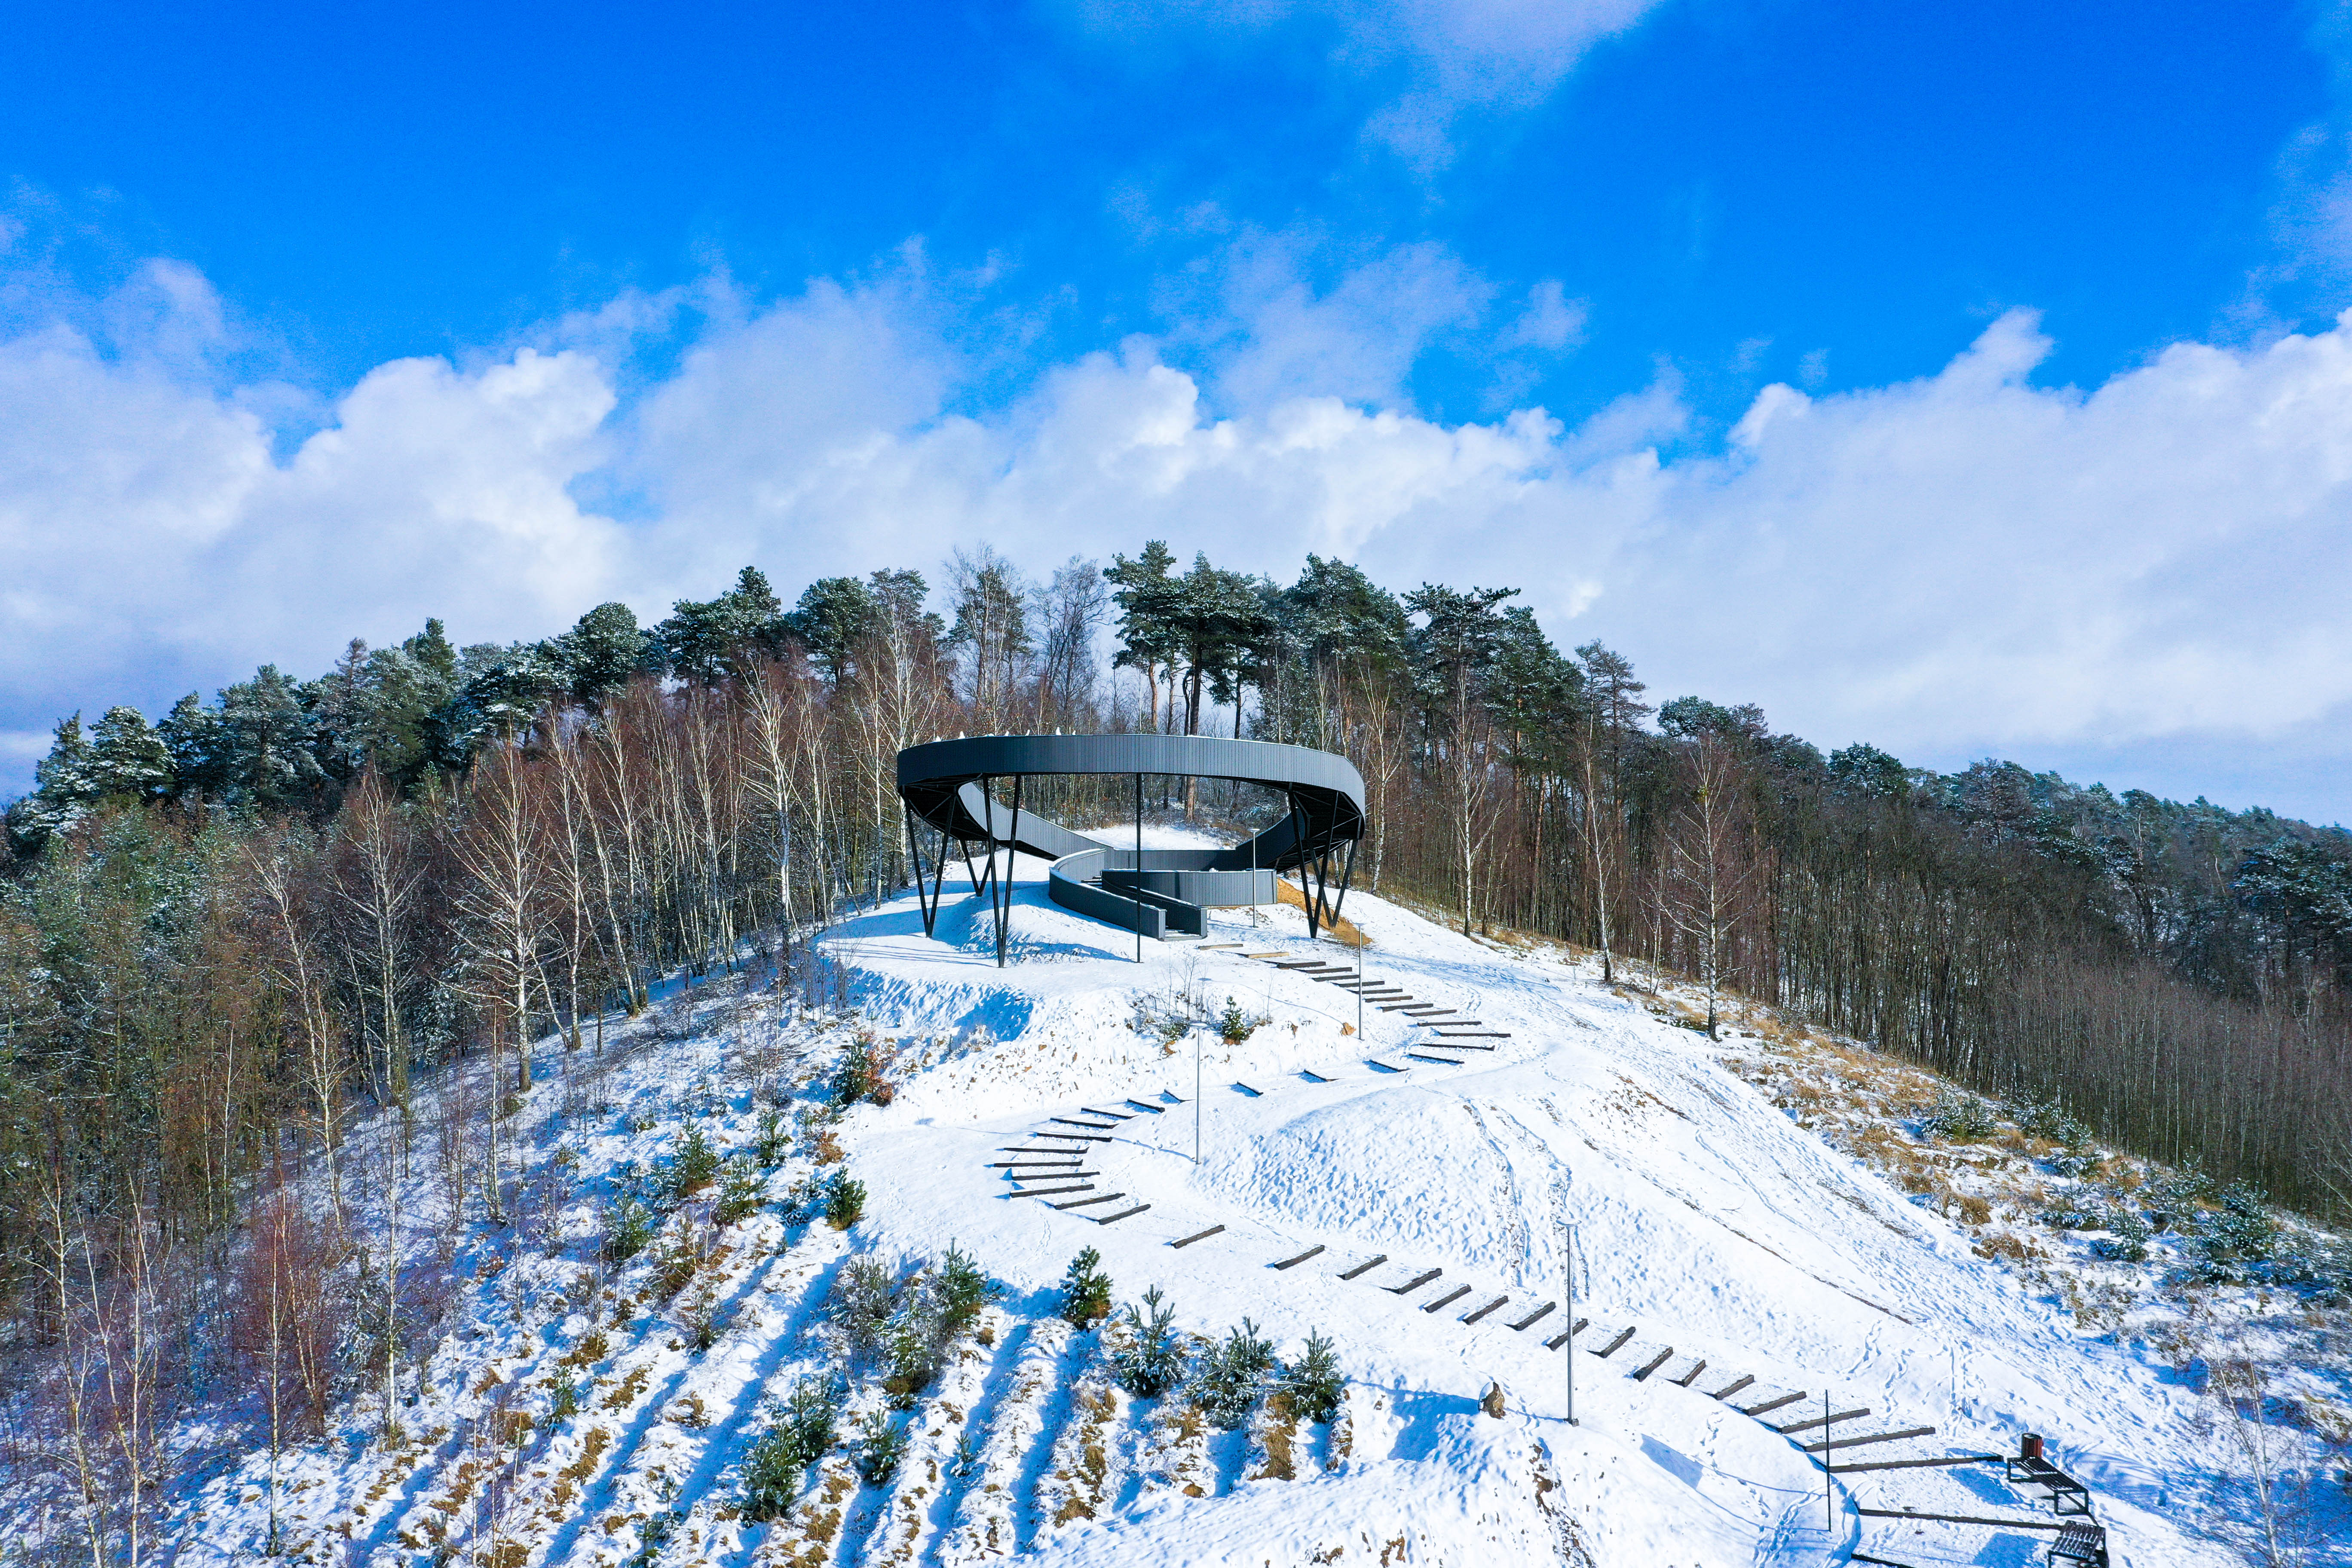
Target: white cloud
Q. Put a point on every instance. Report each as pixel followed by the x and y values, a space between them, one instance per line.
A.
pixel 1552 322
pixel 2154 568
pixel 1357 341
pixel 1439 57
pixel 154 541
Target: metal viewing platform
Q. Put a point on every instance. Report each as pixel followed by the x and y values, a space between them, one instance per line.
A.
pixel 950 786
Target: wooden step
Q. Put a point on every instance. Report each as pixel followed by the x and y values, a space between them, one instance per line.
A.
pixel 1822 1421
pixel 1090 1202
pixel 1828 1443
pixel 1362 1268
pixel 1536 1317
pixel 1415 1283
pixel 1486 1309
pixel 1294 1262
pixel 1114 1218
pixel 1448 1298
pixel 1198 1235
pixel 1918 1464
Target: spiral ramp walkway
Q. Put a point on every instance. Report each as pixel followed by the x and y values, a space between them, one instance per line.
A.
pixel 950 787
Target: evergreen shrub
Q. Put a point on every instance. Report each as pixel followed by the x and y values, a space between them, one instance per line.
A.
pixel 844 1201
pixel 628 1226
pixel 774 1465
pixel 1233 1377
pixel 694 1164
pixel 881 1444
pixel 1313 1381
pixel 1085 1290
pixel 1152 1361
pixel 1960 1118
pixel 741 1190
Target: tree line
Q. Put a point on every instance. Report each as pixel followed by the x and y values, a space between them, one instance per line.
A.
pixel 225 933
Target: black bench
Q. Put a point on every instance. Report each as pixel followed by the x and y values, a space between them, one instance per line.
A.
pixel 2080 1541
pixel 2067 1495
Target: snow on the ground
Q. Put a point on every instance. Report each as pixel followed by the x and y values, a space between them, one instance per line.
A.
pixel 1710 1229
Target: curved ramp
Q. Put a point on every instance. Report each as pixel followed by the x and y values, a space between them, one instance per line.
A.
pixel 945 784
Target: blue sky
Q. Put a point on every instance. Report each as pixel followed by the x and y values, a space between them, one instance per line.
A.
pixel 1963 378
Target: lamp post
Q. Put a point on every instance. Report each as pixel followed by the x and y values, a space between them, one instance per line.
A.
pixel 1568 1294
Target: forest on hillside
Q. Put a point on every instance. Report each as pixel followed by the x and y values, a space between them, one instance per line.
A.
pixel 225 934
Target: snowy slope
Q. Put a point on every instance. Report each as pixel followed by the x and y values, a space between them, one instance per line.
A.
pixel 1721 1247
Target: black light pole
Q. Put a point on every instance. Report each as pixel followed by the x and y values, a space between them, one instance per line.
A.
pixel 1138 888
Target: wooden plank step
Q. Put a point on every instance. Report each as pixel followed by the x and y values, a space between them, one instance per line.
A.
pixel 1198 1235
pixel 1051 1192
pixel 1688 1378
pixel 1114 1218
pixel 1265 955
pixel 1537 1315
pixel 1214 946
pixel 1363 1268
pixel 1317 1076
pixel 1415 1283
pixel 1032 1164
pixel 1083 1126
pixel 1826 1444
pixel 1770 1404
pixel 1155 1110
pixel 1448 1298
pixel 1383 1067
pixel 1442 1061
pixel 1073 1136
pixel 1918 1464
pixel 1090 1202
pixel 1666 1352
pixel 1486 1309
pixel 1809 1426
pixel 1960 1518
pixel 1067 1154
pixel 1294 1262
pixel 1478 1033
pixel 1050 1175
pixel 1729 1389
pixel 1453 1023
pixel 1253 1093
pixel 1114 1115
pixel 1302 963
pixel 1574 1329
pixel 1616 1344
pixel 1396 1006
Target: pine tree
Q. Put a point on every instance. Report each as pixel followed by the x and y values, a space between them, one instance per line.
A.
pixel 1145 598
pixel 603 652
pixel 706 643
pixel 834 615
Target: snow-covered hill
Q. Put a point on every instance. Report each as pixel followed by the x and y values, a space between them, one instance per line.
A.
pixel 1735 1276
